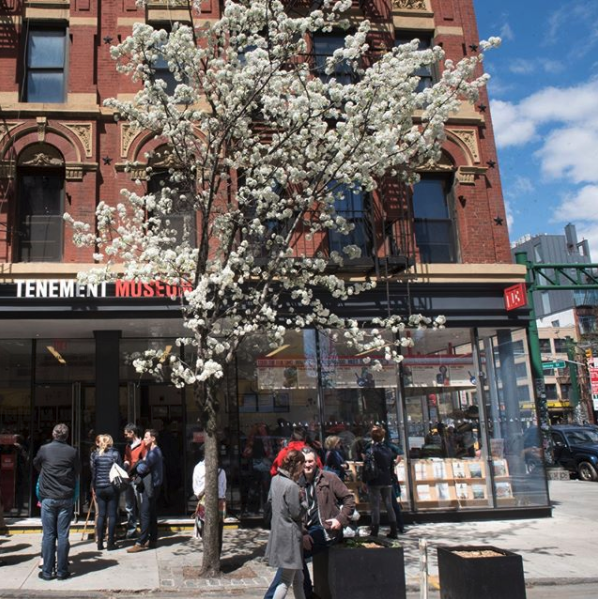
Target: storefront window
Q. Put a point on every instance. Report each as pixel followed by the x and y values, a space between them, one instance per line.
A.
pixel 444 436
pixel 511 422
pixel 15 432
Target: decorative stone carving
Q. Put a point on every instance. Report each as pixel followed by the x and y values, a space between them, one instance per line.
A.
pixel 466 175
pixel 127 135
pixel 43 160
pixel 74 172
pixel 469 138
pixel 409 4
pixel 42 125
pixel 83 131
pixel 6 128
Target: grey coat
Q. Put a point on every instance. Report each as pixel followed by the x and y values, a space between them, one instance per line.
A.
pixel 285 545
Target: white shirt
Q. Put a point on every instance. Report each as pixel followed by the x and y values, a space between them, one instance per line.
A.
pixel 199 480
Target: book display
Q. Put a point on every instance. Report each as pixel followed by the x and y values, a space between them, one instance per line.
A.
pixel 444 483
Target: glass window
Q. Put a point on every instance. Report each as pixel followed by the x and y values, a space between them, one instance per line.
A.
pixel 432 220
pixel 351 205
pixel 182 218
pixel 46 65
pixel 551 393
pixel 324 46
pixel 545 346
pixel 444 436
pixel 514 443
pixel 425 73
pixel 40 212
pixel 560 346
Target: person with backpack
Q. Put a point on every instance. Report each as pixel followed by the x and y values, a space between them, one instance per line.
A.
pixel 378 474
pixel 106 493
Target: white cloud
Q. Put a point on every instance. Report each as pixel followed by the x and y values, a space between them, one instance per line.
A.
pixel 581 208
pixel 565 123
pixel 511 127
pixel 506 33
pixel 551 66
pixel 509 213
pixel 522 66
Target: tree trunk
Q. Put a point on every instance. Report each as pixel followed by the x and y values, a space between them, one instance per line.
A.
pixel 211 544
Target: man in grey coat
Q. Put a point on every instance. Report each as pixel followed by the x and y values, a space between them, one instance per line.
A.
pixel 59 467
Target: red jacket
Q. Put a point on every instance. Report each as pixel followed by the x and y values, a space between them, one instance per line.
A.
pixel 298 445
pixel 135 454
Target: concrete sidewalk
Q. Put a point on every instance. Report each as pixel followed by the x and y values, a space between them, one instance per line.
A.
pixel 556 551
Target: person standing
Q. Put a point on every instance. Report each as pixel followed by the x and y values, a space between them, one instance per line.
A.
pixel 284 549
pixel 297 442
pixel 380 488
pixel 106 494
pixel 199 488
pixel 135 451
pixel 150 475
pixel 59 467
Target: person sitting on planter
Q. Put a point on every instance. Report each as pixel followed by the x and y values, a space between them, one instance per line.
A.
pixel 330 506
pixel 381 486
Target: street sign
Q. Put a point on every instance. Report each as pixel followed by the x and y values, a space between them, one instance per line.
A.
pixel 515 296
pixel 553 365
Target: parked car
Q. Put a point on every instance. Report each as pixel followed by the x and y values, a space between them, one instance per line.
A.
pixel 575 448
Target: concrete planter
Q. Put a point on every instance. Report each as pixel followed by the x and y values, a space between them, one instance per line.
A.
pixel 354 570
pixel 469 572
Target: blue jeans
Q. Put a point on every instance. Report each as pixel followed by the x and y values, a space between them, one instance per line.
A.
pixel 56 521
pixel 131 507
pixel 319 544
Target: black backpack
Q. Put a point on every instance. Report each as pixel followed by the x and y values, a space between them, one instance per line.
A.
pixel 370 467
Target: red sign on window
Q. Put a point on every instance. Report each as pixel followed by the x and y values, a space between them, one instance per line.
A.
pixel 594 379
pixel 515 296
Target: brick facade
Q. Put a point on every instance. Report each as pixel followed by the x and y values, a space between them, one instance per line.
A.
pixel 94 147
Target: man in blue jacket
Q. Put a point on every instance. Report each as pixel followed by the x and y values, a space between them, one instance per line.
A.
pixel 59 467
pixel 150 475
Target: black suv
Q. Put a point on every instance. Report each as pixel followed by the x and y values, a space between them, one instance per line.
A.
pixel 575 448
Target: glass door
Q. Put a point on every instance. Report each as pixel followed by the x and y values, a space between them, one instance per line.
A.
pixel 74 405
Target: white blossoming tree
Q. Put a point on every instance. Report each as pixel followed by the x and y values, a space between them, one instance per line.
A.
pixel 260 147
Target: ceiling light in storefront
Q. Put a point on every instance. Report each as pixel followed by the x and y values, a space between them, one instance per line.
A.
pixel 165 353
pixel 278 350
pixel 51 349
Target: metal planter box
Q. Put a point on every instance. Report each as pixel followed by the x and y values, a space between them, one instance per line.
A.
pixel 356 572
pixel 472 572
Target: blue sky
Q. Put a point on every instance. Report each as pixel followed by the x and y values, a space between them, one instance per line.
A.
pixel 544 102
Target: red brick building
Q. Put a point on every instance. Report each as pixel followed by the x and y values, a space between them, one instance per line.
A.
pixel 63 348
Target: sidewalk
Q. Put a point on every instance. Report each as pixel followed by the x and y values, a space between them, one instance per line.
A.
pixel 556 551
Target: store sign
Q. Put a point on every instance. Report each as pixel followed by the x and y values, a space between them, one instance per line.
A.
pixel 60 288
pixel 515 296
pixel 594 380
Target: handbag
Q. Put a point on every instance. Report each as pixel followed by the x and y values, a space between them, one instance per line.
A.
pixel 118 477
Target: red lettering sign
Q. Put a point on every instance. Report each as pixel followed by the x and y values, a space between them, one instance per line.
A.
pixel 515 296
pixel 151 289
pixel 594 379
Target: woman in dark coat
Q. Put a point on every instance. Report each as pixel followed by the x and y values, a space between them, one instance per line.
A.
pixel 105 492
pixel 380 488
pixel 285 545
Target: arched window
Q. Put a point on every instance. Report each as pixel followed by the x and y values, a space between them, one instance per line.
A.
pixel 40 205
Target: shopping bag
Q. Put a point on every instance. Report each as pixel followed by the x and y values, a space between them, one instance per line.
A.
pixel 118 477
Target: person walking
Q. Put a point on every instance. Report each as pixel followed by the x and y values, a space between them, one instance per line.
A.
pixel 150 474
pixel 284 550
pixel 135 451
pixel 380 487
pixel 199 488
pixel 59 467
pixel 105 493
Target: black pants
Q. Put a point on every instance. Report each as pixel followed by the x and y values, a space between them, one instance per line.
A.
pixel 148 514
pixel 107 502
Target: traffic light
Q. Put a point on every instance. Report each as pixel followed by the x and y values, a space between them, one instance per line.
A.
pixel 589 354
